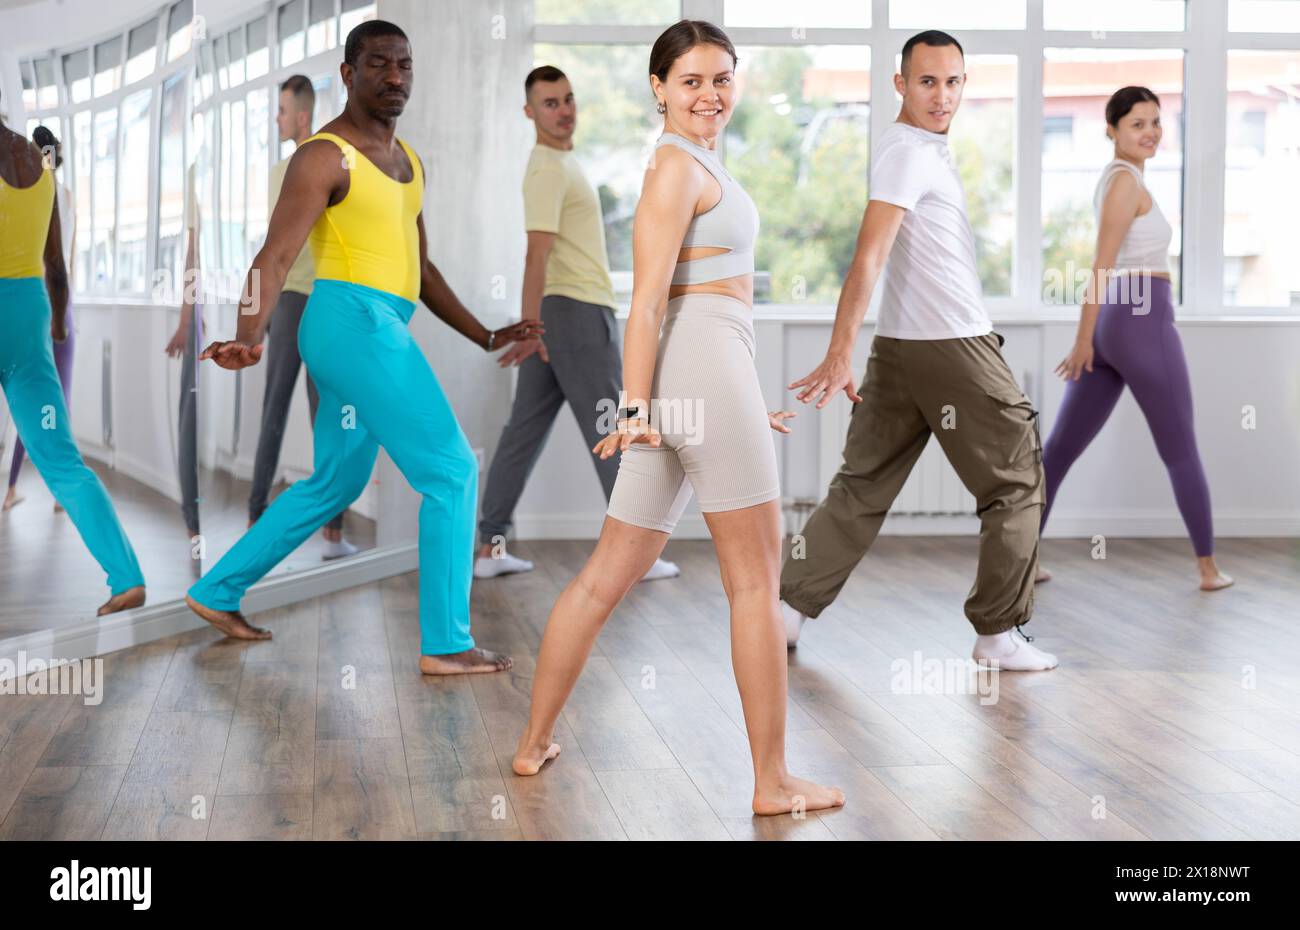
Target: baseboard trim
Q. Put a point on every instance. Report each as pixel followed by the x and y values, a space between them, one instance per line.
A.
pixel 1063 525
pixel 154 621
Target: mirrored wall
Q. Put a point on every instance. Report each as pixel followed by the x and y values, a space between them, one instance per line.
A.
pixel 164 136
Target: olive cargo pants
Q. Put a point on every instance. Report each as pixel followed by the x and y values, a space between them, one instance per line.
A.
pixel 962 391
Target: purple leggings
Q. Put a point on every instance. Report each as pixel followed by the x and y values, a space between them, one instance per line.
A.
pixel 63 362
pixel 1140 349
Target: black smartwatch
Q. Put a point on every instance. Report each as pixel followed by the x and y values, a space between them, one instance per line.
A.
pixel 628 413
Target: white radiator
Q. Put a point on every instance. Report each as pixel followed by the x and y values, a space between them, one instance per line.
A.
pixel 932 488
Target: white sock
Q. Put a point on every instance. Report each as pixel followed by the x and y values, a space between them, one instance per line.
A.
pixel 503 564
pixel 1011 651
pixel 794 622
pixel 661 569
pixel 337 550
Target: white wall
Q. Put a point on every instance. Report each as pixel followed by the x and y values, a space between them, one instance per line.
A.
pixel 465 120
pixel 1118 487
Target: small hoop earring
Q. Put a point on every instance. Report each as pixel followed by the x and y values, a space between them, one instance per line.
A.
pixel 661 108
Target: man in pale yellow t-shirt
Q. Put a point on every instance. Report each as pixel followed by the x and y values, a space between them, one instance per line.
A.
pixel 297 103
pixel 567 286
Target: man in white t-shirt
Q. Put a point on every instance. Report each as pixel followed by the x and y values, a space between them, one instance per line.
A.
pixel 936 367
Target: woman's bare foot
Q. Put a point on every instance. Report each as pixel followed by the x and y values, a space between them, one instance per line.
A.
pixel 530 756
pixel 791 793
pixel 1043 575
pixel 1211 578
pixel 131 597
pixel 465 663
pixel 12 498
pixel 229 622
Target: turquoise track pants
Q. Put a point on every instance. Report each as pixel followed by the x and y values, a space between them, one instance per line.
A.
pixel 35 397
pixel 376 389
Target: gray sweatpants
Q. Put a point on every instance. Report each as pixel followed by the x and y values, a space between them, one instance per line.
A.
pixel 586 367
pixel 282 364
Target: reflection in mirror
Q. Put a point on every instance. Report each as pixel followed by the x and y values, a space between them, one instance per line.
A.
pixel 87 446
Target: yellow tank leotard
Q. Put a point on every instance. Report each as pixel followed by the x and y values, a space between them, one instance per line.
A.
pixel 370 236
pixel 24 225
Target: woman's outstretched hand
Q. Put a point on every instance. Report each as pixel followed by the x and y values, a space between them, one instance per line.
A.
pixel 775 417
pixel 629 432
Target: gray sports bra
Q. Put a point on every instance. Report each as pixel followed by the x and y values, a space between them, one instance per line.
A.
pixel 731 224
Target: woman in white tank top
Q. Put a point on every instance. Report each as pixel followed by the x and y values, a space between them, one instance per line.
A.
pixel 689 350
pixel 1126 332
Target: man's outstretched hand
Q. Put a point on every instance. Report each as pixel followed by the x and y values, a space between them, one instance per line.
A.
pixel 833 375
pixel 516 332
pixel 233 355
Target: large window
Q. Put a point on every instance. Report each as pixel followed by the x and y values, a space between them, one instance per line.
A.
pixel 141 51
pixel 108 66
pixel 1076 85
pixel 82 160
pixel 606 12
pixel 1102 16
pixel 179 28
pixel 103 199
pixel 133 195
pixel 1261 190
pixel 1029 141
pixel 171 185
pixel 1264 16
pixel 798 143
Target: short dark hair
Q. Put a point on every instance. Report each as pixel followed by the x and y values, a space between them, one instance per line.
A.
pixel 931 37
pixel 300 86
pixel 1125 99
pixel 45 141
pixel 546 73
pixel 370 29
pixel 680 38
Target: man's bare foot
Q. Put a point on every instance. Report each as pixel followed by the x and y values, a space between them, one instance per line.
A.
pixel 792 793
pixel 530 757
pixel 1043 575
pixel 229 622
pixel 131 597
pixel 12 499
pixel 465 663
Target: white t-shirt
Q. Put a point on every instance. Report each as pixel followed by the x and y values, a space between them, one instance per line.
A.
pixel 932 284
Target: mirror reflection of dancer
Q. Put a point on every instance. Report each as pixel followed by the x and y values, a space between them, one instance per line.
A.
pixel 33 319
pixel 693 277
pixel 936 367
pixel 185 344
pixel 293 119
pixel 358 190
pixel 567 287
pixel 63 351
pixel 1127 336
